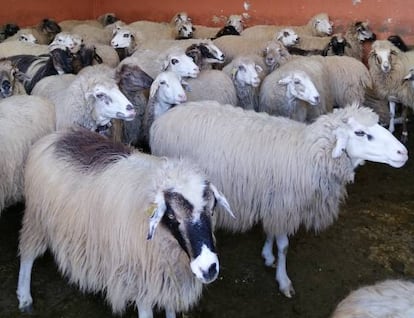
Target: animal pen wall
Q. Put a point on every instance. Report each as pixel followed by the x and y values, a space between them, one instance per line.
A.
pixel 385 17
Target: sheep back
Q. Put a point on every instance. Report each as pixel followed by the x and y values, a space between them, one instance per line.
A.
pixel 23 120
pixel 273 169
pixel 96 224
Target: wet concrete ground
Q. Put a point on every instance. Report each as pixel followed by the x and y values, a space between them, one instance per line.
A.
pixel 372 240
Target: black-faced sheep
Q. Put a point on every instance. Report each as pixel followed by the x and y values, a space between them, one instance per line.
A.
pixel 136 227
pixel 23 120
pixel 58 61
pixel 258 162
pixel 389 298
pixel 8 30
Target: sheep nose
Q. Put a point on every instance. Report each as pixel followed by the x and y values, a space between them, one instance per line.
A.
pixel 182 98
pixel 211 274
pixel 317 99
pixel 222 57
pixel 6 85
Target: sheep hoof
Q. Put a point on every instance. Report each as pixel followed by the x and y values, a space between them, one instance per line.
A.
pixel 288 291
pixel 28 309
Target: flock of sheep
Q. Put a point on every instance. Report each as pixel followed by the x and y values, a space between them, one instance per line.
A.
pixel 123 138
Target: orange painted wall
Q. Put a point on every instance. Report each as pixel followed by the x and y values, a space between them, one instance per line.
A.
pixel 386 17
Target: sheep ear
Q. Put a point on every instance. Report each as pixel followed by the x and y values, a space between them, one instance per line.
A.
pixel 186 86
pixel 341 142
pixel 284 81
pixel 157 213
pixel 154 88
pixel 221 200
pixel 258 68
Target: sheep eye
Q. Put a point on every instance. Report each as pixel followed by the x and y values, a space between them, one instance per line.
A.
pixel 174 61
pixel 126 35
pixel 360 133
pixel 296 81
pixel 163 82
pixel 100 95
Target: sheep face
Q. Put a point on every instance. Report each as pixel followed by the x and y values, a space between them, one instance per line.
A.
pixel 167 89
pixel 6 86
pixel 236 21
pixel 275 54
pixel 66 40
pixel 369 141
pixel 27 37
pixel 288 37
pixel 338 44
pixel 364 32
pixel 322 26
pixel 184 30
pixel 182 65
pixel 211 53
pixel 109 102
pixel 247 74
pixel 300 86
pixel 383 57
pixel 186 212
pixel 122 38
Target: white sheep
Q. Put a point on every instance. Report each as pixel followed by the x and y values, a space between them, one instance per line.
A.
pixel 288 37
pixel 23 120
pixel 151 30
pixel 246 76
pixel 102 21
pixel 154 62
pixel 385 299
pixel 166 91
pixel 299 89
pixel 91 100
pixel 318 25
pixel 258 162
pixel 10 80
pixel 127 39
pixel 133 226
pixel 388 66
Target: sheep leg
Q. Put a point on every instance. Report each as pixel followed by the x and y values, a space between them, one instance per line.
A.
pixel 23 286
pixel 285 284
pixel 391 127
pixel 145 311
pixel 404 134
pixel 170 313
pixel 267 251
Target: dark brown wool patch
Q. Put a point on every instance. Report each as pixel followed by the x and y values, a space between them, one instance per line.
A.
pixel 89 150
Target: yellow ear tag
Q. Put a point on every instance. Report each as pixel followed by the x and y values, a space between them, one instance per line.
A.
pixel 151 209
pixel 233 72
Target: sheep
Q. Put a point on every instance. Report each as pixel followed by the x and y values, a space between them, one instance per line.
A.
pixel 399 42
pixel 226 30
pixel 166 91
pixel 43 33
pixel 91 100
pixel 313 45
pixel 348 78
pixel 388 66
pixel 58 61
pixel 288 37
pixel 101 21
pixel 8 30
pixel 356 35
pixel 388 298
pixel 274 55
pixel 318 25
pixel 133 226
pixel 298 90
pixel 245 74
pixel 125 40
pixel 10 80
pixel 151 30
pixel 23 120
pixel 207 32
pixel 258 162
pixel 153 62
pixel 134 83
pixel 205 55
pixel 233 45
